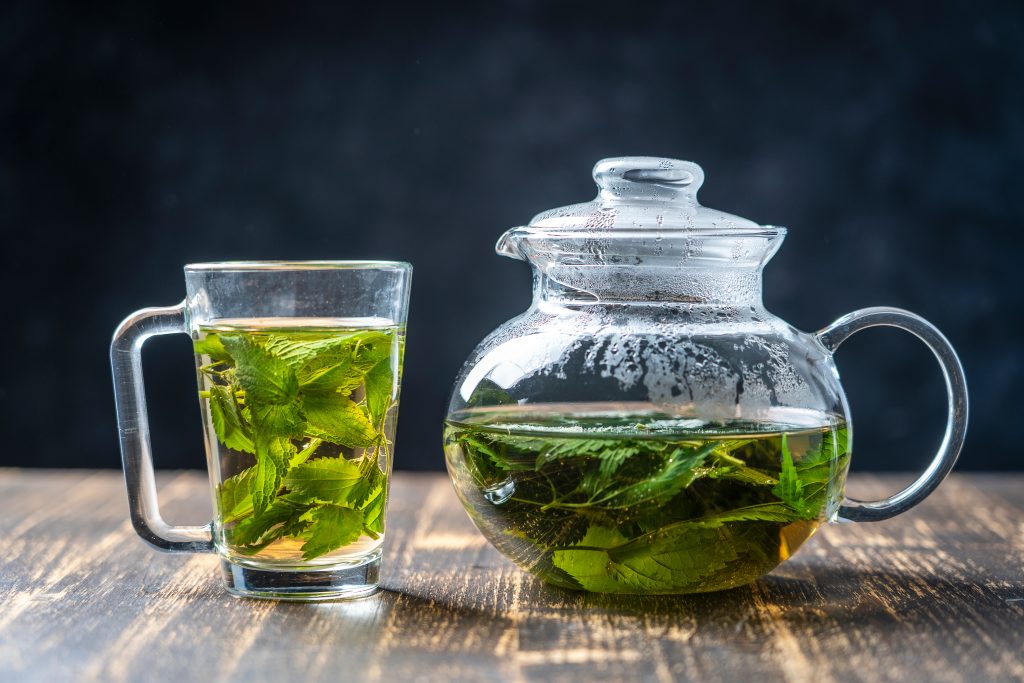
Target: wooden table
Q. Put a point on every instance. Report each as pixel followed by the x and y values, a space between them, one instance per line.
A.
pixel 937 595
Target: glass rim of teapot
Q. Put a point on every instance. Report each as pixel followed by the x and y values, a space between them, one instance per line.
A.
pixel 648 233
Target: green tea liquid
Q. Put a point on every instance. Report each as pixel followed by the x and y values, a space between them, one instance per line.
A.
pixel 627 499
pixel 300 417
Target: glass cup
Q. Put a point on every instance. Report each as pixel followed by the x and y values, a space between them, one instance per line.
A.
pixel 299 367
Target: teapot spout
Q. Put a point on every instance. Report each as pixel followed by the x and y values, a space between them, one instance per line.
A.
pixel 508 244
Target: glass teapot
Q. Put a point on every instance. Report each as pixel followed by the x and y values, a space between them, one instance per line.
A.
pixel 646 426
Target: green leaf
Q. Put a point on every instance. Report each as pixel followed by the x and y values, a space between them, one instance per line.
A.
pixel 298 353
pixel 272 457
pixel 283 517
pixel 589 563
pixel 343 378
pixel 492 460
pixel 570 448
pixel 266 378
pixel 332 527
pixel 372 345
pixel 761 512
pixel 234 496
pixel 835 443
pixel 821 471
pixel 228 423
pixel 211 346
pixel 790 489
pixel 336 418
pixel 598 479
pixel 333 363
pixel 680 468
pixel 374 486
pixel 605 561
pixel 670 563
pixel 271 388
pixel 308 450
pixel 330 480
pixel 379 383
pixel 747 475
pixel 281 420
pixel 373 510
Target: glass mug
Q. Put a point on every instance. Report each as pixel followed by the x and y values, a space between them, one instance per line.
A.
pixel 299 369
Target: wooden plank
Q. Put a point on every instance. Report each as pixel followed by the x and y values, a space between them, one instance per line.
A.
pixel 937 595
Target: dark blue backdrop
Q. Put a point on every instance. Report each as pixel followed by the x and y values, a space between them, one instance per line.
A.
pixel 137 138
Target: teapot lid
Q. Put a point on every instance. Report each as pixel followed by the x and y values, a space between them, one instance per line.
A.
pixel 644 193
pixel 643 238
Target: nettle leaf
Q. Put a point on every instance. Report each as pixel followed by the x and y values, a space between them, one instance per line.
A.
pixel 331 527
pixel 228 423
pixel 373 509
pixel 323 365
pixel 266 378
pixel 790 489
pixel 372 499
pixel 612 458
pixel 670 562
pixel 379 386
pixel 342 378
pixel 331 480
pixel 272 457
pixel 835 443
pixel 679 469
pixel 554 529
pixel 606 561
pixel 746 475
pixel 300 353
pixel 307 451
pixel 495 460
pixel 820 470
pixel 371 346
pixel 600 477
pixel 514 442
pixel 234 496
pixel 762 512
pixel 282 518
pixel 212 346
pixel 336 418
pixel 570 448
pixel 282 420
pixel 588 563
pixel 270 386
pixel 312 358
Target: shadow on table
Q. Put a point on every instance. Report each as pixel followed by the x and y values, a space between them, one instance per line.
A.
pixel 845 597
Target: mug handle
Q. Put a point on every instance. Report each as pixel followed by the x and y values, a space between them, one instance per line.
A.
pixel 956 422
pixel 133 427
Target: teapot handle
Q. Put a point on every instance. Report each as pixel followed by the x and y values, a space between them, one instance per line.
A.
pixel 956 424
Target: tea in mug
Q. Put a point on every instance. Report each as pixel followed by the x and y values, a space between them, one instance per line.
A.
pixel 300 415
pixel 644 501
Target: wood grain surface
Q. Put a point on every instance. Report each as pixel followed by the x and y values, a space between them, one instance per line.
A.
pixel 935 595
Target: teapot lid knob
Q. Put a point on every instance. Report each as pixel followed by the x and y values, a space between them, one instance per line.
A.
pixel 648 178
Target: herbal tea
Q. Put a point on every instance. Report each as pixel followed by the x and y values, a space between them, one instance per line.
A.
pixel 642 501
pixel 300 415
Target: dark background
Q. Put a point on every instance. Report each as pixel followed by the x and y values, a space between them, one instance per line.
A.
pixel 135 139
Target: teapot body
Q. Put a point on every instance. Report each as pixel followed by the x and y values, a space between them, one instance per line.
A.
pixel 647 426
pixel 648 447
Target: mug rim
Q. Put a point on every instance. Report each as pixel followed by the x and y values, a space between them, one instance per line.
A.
pixel 245 266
